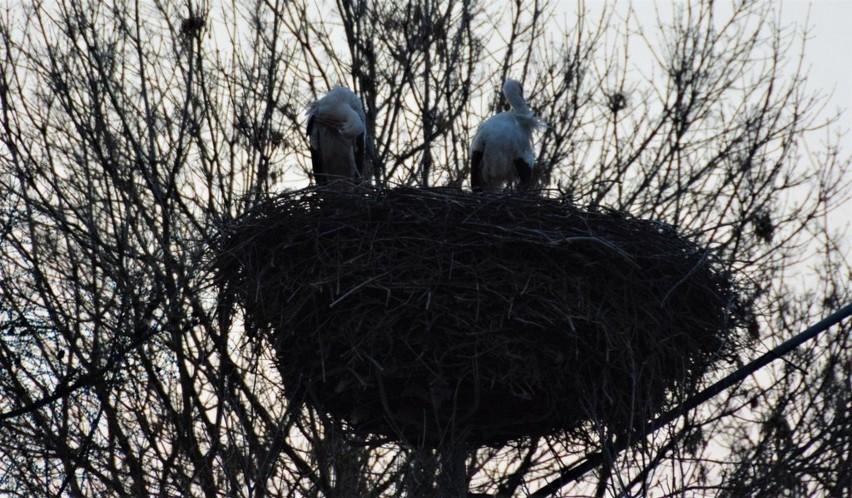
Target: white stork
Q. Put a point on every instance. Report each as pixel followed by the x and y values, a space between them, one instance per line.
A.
pixel 501 152
pixel 337 128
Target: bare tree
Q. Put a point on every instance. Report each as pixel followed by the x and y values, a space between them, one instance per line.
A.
pixel 130 129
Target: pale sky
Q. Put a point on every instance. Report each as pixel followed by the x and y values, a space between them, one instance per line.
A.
pixel 828 63
pixel 829 54
pixel 830 50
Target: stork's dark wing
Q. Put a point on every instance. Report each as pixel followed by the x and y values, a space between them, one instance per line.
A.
pixel 360 147
pixel 524 173
pixel 316 154
pixel 476 170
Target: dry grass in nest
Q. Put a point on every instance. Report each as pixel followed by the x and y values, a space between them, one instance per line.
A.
pixel 426 314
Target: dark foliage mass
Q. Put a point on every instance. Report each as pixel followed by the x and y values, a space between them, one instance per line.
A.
pixel 432 315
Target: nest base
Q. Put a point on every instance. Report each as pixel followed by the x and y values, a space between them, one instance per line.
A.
pixel 433 314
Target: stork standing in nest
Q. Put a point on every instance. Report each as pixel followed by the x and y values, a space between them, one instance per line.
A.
pixel 337 129
pixel 501 151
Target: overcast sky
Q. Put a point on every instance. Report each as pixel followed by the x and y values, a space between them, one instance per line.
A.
pixel 830 51
pixel 828 61
pixel 829 55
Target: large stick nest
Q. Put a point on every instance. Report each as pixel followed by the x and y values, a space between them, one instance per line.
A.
pixel 431 314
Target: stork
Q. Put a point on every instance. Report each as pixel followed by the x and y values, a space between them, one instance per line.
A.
pixel 337 131
pixel 501 151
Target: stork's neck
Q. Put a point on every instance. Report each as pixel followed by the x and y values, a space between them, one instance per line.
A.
pixel 518 104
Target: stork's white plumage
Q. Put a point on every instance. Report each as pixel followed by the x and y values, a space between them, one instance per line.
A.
pixel 337 131
pixel 501 151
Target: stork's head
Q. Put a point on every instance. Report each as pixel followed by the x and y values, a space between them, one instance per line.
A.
pixel 340 109
pixel 514 93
